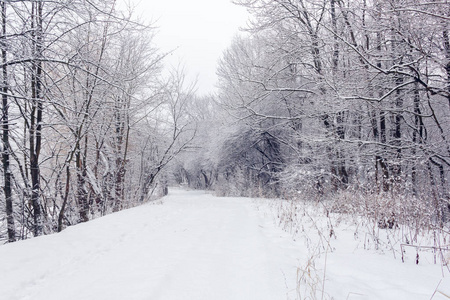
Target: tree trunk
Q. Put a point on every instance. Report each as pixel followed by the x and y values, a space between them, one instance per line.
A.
pixel 36 118
pixel 418 135
pixel 82 200
pixel 380 157
pixel 445 35
pixel 66 197
pixel 340 130
pixel 398 117
pixel 5 136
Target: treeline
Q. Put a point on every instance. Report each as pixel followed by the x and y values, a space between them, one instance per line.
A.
pixel 89 121
pixel 341 100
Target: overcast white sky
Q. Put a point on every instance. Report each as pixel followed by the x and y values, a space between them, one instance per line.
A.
pixel 198 30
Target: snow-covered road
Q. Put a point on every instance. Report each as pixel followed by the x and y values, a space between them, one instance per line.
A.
pixel 194 246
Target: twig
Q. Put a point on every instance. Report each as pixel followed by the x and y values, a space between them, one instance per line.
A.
pixel 435 290
pixel 324 273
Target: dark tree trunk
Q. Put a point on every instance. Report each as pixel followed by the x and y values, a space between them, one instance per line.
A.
pixel 341 169
pixel 418 135
pixel 36 118
pixel 82 196
pixel 5 136
pixel 445 35
pixel 398 117
pixel 380 157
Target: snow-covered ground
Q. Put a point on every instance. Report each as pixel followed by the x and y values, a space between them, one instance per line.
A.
pixel 192 245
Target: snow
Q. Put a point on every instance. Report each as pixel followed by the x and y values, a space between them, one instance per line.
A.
pixel 192 245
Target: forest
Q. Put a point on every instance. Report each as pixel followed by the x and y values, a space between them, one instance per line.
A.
pixel 343 101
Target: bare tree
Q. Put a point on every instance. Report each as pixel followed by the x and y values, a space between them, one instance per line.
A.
pixel 354 92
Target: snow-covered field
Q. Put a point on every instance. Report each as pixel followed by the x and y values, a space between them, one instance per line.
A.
pixel 192 245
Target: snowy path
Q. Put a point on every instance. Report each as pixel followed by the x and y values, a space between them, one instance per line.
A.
pixel 194 246
pixel 198 247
